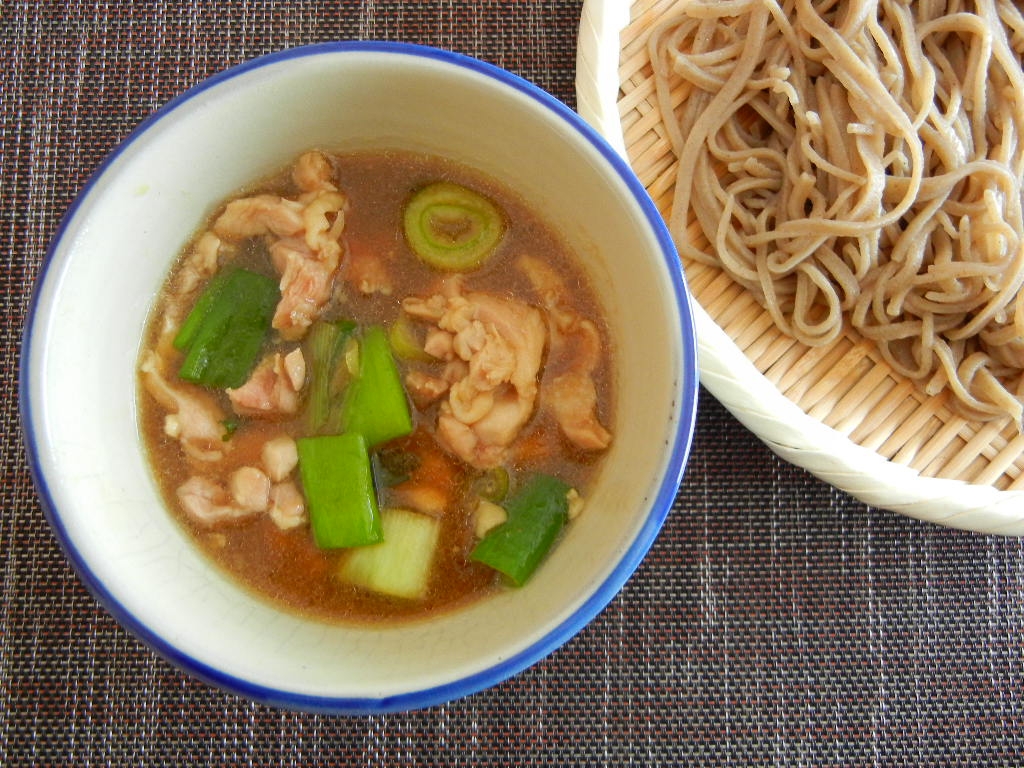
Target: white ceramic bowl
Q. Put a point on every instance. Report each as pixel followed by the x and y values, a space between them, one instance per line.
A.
pixel 111 254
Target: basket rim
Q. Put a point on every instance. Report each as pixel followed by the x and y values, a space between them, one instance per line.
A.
pixel 733 379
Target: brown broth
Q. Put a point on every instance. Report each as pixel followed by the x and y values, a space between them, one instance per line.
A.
pixel 286 567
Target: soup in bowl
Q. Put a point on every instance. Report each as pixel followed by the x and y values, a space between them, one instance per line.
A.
pixel 362 407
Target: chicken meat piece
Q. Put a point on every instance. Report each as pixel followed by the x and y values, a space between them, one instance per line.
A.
pixel 366 268
pixel 554 294
pixel 200 264
pixel 303 236
pixel 306 286
pixel 424 389
pixel 323 221
pixel 249 492
pixel 287 506
pixel 430 310
pixel 571 396
pixel 572 399
pixel 575 352
pixel 193 417
pixel 439 344
pixel 487 517
pixel 500 342
pixel 432 476
pixel 209 503
pixel 309 265
pixel 259 215
pixel 273 388
pixel 280 456
pixel 313 172
pixel 428 499
pixel 250 488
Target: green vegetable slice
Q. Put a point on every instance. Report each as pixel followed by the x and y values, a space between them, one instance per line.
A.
pixel 224 333
pixel 338 483
pixel 193 322
pixel 400 566
pixel 492 485
pixel 451 227
pixel 404 341
pixel 326 343
pixel 375 403
pixel 537 512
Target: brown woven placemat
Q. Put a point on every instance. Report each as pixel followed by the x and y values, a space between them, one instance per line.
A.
pixel 775 621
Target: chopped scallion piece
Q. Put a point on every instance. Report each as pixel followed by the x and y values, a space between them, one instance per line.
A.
pixel 375 402
pixel 405 342
pixel 327 365
pixel 231 426
pixel 537 512
pixel 492 485
pixel 224 333
pixel 399 566
pixel 338 483
pixel 187 333
pixel 451 227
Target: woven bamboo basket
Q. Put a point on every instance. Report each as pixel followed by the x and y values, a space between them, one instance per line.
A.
pixel 838 411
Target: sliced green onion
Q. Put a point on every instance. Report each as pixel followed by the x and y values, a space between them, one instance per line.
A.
pixel 190 328
pixel 404 341
pixel 400 566
pixel 224 333
pixel 492 485
pixel 231 425
pixel 338 483
pixel 326 364
pixel 451 227
pixel 375 403
pixel 537 512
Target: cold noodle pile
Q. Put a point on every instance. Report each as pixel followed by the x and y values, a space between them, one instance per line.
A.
pixel 858 164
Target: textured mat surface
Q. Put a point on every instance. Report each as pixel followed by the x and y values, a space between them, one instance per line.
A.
pixel 776 621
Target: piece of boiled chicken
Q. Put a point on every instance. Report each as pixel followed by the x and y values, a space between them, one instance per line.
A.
pixel 494 346
pixel 193 417
pixel 304 239
pixel 575 352
pixel 249 491
pixel 273 387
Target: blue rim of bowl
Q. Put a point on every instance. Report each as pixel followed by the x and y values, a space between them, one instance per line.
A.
pixel 556 637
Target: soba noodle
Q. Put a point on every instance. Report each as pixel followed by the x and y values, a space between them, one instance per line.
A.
pixel 858 164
